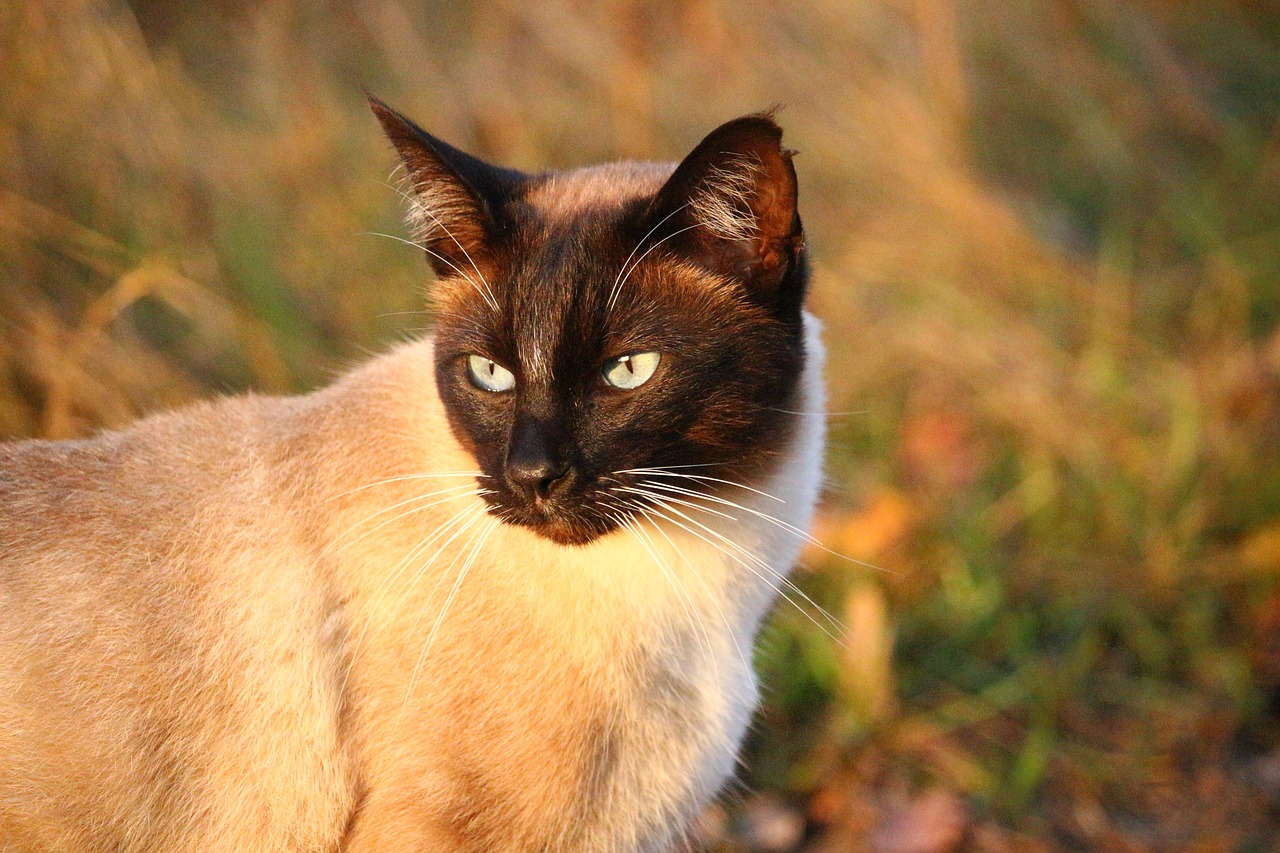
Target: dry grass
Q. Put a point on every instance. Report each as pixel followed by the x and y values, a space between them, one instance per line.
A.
pixel 1048 255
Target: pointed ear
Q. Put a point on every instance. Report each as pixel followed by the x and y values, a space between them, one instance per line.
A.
pixel 455 199
pixel 731 205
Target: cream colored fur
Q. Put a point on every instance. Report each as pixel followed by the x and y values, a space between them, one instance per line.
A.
pixel 211 640
pixel 723 203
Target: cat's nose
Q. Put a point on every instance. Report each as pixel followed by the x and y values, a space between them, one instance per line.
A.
pixel 534 470
pixel 537 479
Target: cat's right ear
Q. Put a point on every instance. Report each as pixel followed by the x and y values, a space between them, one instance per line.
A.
pixel 454 199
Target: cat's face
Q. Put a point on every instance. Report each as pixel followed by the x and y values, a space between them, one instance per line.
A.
pixel 599 324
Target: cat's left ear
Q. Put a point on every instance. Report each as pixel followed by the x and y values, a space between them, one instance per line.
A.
pixel 731 206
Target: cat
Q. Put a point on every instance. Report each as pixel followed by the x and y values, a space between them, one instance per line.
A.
pixel 495 590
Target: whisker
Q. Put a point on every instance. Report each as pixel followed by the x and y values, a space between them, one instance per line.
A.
pixel 664 503
pixel 661 472
pixel 841 629
pixel 416 204
pixel 422 476
pixel 715 599
pixel 474 552
pixel 618 289
pixel 638 491
pixel 385 586
pixel 433 253
pixel 820 414
pixel 467 513
pixel 333 544
pixel 613 293
pixel 418 573
pixel 689 609
pixel 790 528
pixel 413 582
pixel 425 311
pixel 688 465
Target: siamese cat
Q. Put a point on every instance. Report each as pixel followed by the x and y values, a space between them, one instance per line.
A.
pixel 496 590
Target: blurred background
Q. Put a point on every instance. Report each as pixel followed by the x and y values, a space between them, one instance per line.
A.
pixel 1047 245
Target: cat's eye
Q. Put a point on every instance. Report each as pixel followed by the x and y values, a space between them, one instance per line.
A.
pixel 489 375
pixel 630 371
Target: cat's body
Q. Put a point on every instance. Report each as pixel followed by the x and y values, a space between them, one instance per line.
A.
pixel 252 625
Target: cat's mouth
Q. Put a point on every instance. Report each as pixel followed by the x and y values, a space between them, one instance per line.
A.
pixel 564 532
pixel 554 522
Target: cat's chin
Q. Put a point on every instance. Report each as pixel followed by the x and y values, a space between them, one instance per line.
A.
pixel 561 531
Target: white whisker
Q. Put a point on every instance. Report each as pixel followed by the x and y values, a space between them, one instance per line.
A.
pixel 665 503
pixel 693 572
pixel 689 465
pixel 417 204
pixel 820 414
pixel 618 289
pixel 385 586
pixel 422 476
pixel 433 253
pixel 639 491
pixel 790 528
pixel 661 472
pixel 613 293
pixel 474 551
pixel 690 609
pixel 333 544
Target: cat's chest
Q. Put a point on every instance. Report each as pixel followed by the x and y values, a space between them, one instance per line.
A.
pixel 654 634
pixel 600 691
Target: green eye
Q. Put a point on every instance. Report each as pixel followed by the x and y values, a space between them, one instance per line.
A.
pixel 489 375
pixel 630 371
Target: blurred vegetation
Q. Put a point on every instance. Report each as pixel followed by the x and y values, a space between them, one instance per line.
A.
pixel 1047 243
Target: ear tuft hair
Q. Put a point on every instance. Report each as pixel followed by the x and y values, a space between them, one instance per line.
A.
pixel 722 202
pixel 455 200
pixel 429 205
pixel 730 206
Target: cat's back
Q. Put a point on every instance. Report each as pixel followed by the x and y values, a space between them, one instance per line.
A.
pixel 139 571
pixel 141 473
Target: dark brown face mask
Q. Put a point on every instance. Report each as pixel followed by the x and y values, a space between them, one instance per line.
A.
pixel 655 325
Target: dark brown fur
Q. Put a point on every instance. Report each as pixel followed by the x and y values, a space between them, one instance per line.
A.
pixel 725 313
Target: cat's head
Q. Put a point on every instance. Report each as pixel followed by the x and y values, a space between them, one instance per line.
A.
pixel 599 322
